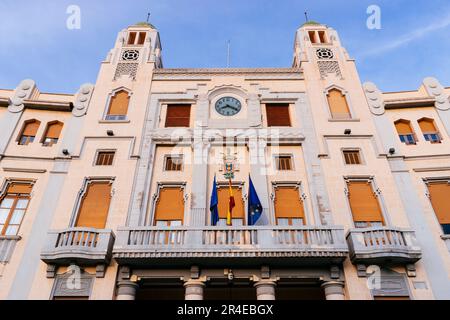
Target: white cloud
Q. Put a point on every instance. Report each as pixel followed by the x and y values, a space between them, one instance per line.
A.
pixel 416 34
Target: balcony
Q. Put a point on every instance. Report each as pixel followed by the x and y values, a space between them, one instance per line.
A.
pixel 80 246
pixel 383 245
pixel 213 246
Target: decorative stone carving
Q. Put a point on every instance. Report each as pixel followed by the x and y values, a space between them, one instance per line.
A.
pixel 23 92
pixel 324 53
pixel 126 69
pixel 73 285
pixel 82 99
pixel 392 284
pixel 130 55
pixel 374 98
pixel 436 90
pixel 327 67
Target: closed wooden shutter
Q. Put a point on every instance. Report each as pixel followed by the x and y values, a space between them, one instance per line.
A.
pixel 364 204
pixel 31 128
pixel 288 203
pixel 278 115
pixel 19 187
pixel 439 196
pixel 403 127
pixel 170 205
pixel 178 115
pixel 119 104
pixel 338 105
pixel 54 130
pixel 427 126
pixel 224 200
pixel 94 206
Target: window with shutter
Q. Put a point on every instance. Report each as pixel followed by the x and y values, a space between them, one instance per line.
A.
pixel 52 134
pixel 178 115
pixel 439 195
pixel 352 157
pixel 405 132
pixel 289 208
pixel 278 115
pixel 283 163
pixel 29 132
pixel 169 205
pixel 174 163
pixel 364 204
pixel 429 130
pixel 238 214
pixel 118 106
pixel 13 206
pixel 105 158
pixel 94 206
pixel 338 104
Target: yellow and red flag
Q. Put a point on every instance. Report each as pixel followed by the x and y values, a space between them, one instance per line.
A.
pixel 231 205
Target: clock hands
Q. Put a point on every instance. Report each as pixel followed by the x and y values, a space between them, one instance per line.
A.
pixel 231 107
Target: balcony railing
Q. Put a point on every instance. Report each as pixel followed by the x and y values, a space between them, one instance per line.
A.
pixel 134 245
pixel 380 245
pixel 84 246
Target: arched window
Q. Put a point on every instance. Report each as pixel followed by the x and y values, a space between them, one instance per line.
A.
pixel 429 130
pixel 118 106
pixel 405 131
pixel 29 131
pixel 52 133
pixel 338 104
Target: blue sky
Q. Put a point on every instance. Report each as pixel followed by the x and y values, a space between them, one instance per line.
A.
pixel 414 41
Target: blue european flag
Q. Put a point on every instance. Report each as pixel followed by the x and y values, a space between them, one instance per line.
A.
pixel 213 206
pixel 254 205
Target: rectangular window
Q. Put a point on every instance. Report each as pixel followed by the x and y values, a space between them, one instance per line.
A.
pixel 352 157
pixel 283 163
pixel 289 210
pixel 94 206
pixel 131 38
pixel 312 36
pixel 278 115
pixel 169 207
pixel 141 39
pixel 432 137
pixel 13 207
pixel 178 115
pixel 407 138
pixel 439 195
pixel 364 204
pixel 105 158
pixel 322 37
pixel 174 163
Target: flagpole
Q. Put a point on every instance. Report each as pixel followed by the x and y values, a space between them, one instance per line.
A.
pixel 230 212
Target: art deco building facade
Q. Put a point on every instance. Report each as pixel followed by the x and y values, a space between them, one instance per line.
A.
pixel 105 194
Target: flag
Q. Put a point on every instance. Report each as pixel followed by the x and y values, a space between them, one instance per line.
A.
pixel 213 206
pixel 254 205
pixel 231 205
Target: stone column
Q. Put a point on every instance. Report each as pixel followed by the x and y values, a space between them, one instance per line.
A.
pixel 265 290
pixel 126 290
pixel 334 290
pixel 194 290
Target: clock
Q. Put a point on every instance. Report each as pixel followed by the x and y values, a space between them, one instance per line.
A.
pixel 228 106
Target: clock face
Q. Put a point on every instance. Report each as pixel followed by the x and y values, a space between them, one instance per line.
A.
pixel 228 106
